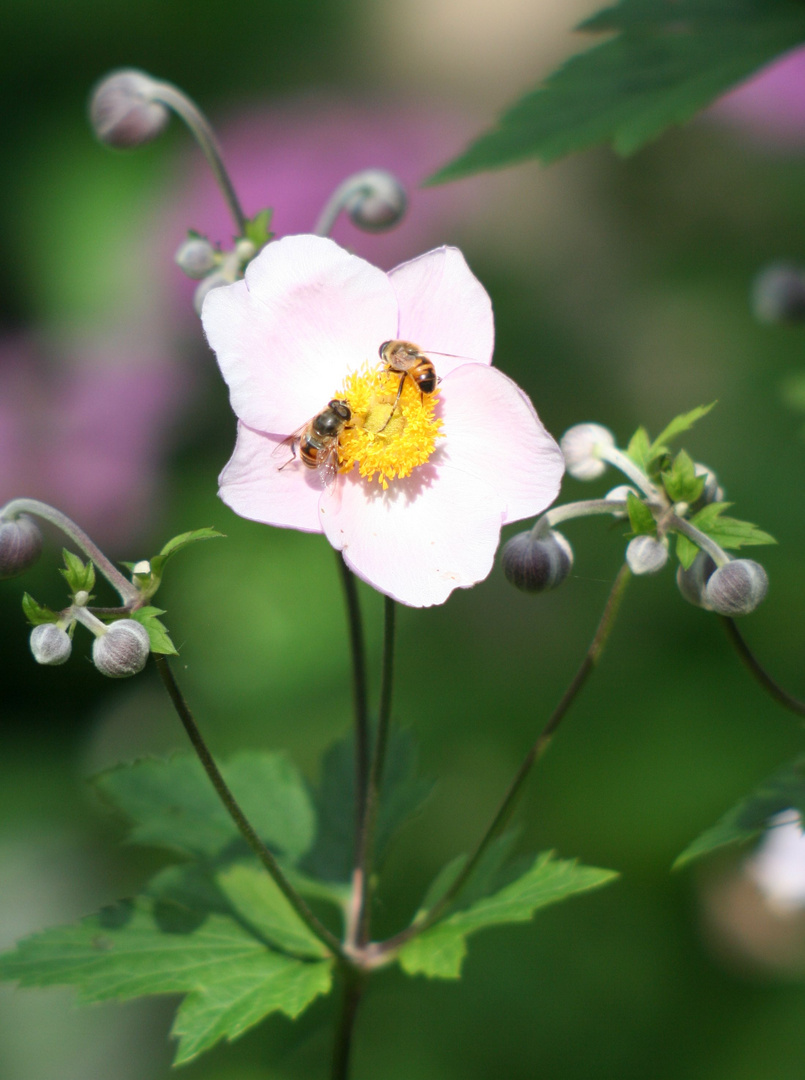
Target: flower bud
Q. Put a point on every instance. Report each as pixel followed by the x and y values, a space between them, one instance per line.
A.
pixel 778 294
pixel 196 257
pixel 580 445
pixel 621 494
pixel 20 545
pixel 537 564
pixel 737 588
pixel 122 111
pixel 712 490
pixel 691 582
pixel 122 650
pixel 212 281
pixel 380 203
pixel 50 644
pixel 646 554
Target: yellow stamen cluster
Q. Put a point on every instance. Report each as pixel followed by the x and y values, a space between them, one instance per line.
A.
pixel 407 440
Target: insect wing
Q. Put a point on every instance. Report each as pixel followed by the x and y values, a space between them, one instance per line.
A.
pixel 288 446
pixel 327 465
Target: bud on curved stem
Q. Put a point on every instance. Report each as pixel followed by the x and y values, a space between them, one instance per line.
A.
pixel 122 649
pixel 20 545
pixel 374 199
pixel 737 588
pixel 537 563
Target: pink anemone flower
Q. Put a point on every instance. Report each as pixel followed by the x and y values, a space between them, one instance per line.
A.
pixel 422 482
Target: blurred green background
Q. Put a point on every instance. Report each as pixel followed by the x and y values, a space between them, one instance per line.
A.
pixel 621 296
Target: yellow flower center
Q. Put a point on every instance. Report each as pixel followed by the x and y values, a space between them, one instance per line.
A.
pixel 383 441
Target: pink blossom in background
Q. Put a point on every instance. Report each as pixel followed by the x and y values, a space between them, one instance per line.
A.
pixel 770 106
pixel 292 156
pixel 85 427
pixel 307 317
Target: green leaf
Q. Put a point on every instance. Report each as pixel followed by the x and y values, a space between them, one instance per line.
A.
pixel 640 517
pixel 686 551
pixel 662 63
pixel 638 449
pixel 439 951
pixel 157 631
pixel 258 900
pixel 258 228
pixel 729 532
pixel 35 613
pixel 152 947
pixel 482 881
pixel 176 544
pixel 784 790
pixel 80 576
pixel 402 793
pixel 681 482
pixel 680 423
pixel 173 805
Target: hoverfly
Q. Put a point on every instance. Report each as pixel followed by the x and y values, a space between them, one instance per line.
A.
pixel 407 359
pixel 317 440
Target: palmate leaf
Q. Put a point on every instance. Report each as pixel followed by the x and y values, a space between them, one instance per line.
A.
pixel 730 533
pixel 784 790
pixel 666 60
pixel 440 951
pixel 172 804
pixel 232 979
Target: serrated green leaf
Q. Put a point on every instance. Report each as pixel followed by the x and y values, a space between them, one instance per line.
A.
pixel 686 551
pixel 80 576
pixel 172 803
pixel 153 947
pixel 176 544
pixel 259 902
pixel 728 532
pixel 680 423
pixel 157 631
pixel 258 228
pixel 439 951
pixel 483 879
pixel 640 517
pixel 783 790
pixel 638 448
pixel 402 793
pixel 681 482
pixel 35 613
pixel 664 62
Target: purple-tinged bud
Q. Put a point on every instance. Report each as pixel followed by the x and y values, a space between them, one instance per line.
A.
pixel 50 644
pixel 737 588
pixel 196 257
pixel 692 582
pixel 646 554
pixel 122 650
pixel 537 564
pixel 580 445
pixel 379 203
pixel 20 545
pixel 778 294
pixel 123 112
pixel 712 490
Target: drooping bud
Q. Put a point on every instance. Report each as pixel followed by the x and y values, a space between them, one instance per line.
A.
pixel 646 554
pixel 122 650
pixel 123 112
pixel 778 294
pixel 50 644
pixel 712 491
pixel 537 564
pixel 20 545
pixel 692 582
pixel 379 201
pixel 580 446
pixel 737 588
pixel 196 257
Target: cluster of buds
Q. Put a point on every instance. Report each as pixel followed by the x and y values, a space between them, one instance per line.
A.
pixel 666 497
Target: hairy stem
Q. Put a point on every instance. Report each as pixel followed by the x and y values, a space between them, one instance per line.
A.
pixel 755 668
pixel 506 808
pixel 245 827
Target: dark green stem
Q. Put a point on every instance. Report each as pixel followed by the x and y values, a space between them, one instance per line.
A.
pixel 506 808
pixel 350 1000
pixel 361 882
pixel 755 668
pixel 358 692
pixel 244 825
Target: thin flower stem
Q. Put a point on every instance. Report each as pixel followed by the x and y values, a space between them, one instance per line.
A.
pixel 126 590
pixel 359 692
pixel 504 812
pixel 350 1000
pixel 362 883
pixel 199 125
pixel 245 827
pixel 700 539
pixel 755 668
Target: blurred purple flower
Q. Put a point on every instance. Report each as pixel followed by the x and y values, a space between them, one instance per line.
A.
pixel 769 106
pixel 84 427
